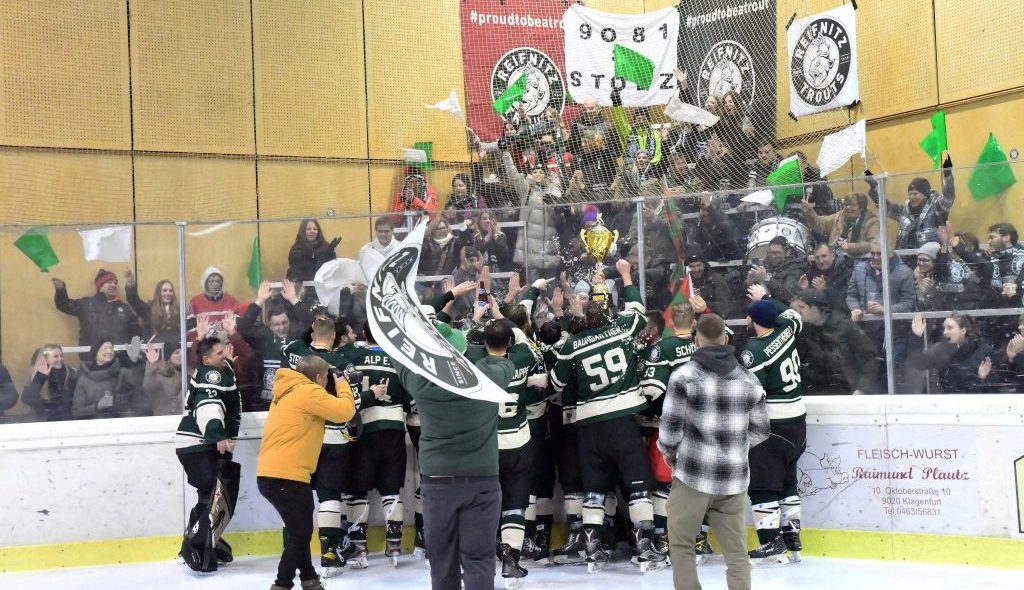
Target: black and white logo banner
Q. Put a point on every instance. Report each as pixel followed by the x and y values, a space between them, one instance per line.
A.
pixel 823 61
pixel 405 333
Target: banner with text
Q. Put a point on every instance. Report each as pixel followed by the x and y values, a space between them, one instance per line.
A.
pixel 409 337
pixel 729 46
pixel 822 51
pixel 501 43
pixel 634 53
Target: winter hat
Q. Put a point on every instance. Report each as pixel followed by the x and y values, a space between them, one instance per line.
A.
pixel 454 337
pixel 763 313
pixel 209 272
pixel 920 185
pixel 589 214
pixel 169 347
pixel 813 298
pixel 103 277
pixel 930 249
pixel 581 288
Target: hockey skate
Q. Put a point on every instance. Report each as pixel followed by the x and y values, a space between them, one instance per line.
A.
pixel 703 548
pixel 331 562
pixel 353 551
pixel 393 543
pixel 536 549
pixel 771 553
pixel 419 545
pixel 574 552
pixel 792 537
pixel 513 573
pixel 646 554
pixel 597 556
pixel 223 552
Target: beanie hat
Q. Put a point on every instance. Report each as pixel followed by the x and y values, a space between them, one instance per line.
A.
pixel 813 298
pixel 930 249
pixel 920 185
pixel 763 313
pixel 454 337
pixel 103 277
pixel 589 214
pixel 581 288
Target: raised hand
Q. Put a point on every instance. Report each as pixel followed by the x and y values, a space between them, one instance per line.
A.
pixel 917 325
pixel 819 283
pixel 152 354
pixel 985 368
pixel 229 352
pixel 463 288
pixel 622 265
pixel 203 325
pixel 230 323
pixel 42 365
pixel 756 292
pixel 288 291
pixel 698 304
pixel 58 284
pixel 803 282
pixel 263 293
pixel 557 301
pixel 129 278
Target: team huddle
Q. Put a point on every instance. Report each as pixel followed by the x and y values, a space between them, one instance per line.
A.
pixel 590 388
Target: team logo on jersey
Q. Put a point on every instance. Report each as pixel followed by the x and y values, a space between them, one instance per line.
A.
pixel 545 86
pixel 747 358
pixel 212 377
pixel 727 68
pixel 655 354
pixel 820 64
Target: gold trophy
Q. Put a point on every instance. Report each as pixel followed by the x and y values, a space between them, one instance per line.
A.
pixel 597 240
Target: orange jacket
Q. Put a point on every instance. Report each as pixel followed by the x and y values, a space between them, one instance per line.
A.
pixel 295 425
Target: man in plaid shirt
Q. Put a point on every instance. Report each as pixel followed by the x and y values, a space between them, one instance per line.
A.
pixel 714 412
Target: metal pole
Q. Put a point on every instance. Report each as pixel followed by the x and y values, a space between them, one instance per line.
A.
pixel 883 238
pixel 640 248
pixel 182 312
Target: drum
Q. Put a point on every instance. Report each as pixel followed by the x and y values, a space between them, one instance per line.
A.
pixel 798 234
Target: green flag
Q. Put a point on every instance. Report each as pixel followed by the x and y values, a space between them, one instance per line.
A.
pixel 511 96
pixel 255 273
pixel 427 147
pixel 934 143
pixel 993 174
pixel 34 244
pixel 632 66
pixel 787 172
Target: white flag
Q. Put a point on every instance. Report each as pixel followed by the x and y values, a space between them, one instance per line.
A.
pixel 334 276
pixel 762 197
pixel 687 113
pixel 412 155
pixel 109 244
pixel 839 147
pixel 449 105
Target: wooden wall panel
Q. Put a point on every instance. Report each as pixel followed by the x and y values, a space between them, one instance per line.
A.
pixel 192 76
pixel 978 47
pixel 897 57
pixel 169 188
pixel 64 74
pixel 310 80
pixel 414 56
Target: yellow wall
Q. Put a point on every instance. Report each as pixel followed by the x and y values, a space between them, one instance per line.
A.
pixel 175 125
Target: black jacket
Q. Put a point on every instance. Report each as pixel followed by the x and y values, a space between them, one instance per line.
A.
pixel 99 318
pixel 955 365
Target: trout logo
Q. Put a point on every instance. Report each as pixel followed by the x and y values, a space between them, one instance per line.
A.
pixel 545 86
pixel 820 64
pixel 727 68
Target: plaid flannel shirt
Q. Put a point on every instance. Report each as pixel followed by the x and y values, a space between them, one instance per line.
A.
pixel 708 425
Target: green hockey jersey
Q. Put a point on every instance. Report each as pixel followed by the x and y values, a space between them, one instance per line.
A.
pixel 659 360
pixel 513 428
pixel 213 411
pixel 773 357
pixel 601 362
pixel 387 413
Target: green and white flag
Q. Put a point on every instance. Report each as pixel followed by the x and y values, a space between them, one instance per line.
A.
pixel 786 173
pixel 634 52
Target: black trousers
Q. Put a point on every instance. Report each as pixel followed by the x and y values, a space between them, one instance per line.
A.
pixel 460 518
pixel 293 500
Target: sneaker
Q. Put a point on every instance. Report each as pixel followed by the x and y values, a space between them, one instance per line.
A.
pixel 313 584
pixel 773 551
pixel 574 552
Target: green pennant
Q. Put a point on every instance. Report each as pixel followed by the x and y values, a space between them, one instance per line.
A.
pixel 255 274
pixel 633 66
pixel 993 174
pixel 428 148
pixel 511 96
pixel 935 143
pixel 787 172
pixel 36 245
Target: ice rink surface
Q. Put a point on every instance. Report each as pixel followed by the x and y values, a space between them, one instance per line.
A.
pixel 411 574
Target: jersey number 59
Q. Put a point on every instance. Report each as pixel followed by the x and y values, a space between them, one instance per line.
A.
pixel 613 367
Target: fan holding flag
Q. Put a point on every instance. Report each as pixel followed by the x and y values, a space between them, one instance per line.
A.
pixel 925 210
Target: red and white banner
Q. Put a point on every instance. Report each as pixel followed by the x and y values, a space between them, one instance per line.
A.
pixel 501 40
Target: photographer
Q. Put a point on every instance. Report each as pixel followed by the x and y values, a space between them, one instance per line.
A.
pixel 288 456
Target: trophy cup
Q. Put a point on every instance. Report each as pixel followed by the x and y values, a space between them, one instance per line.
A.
pixel 597 240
